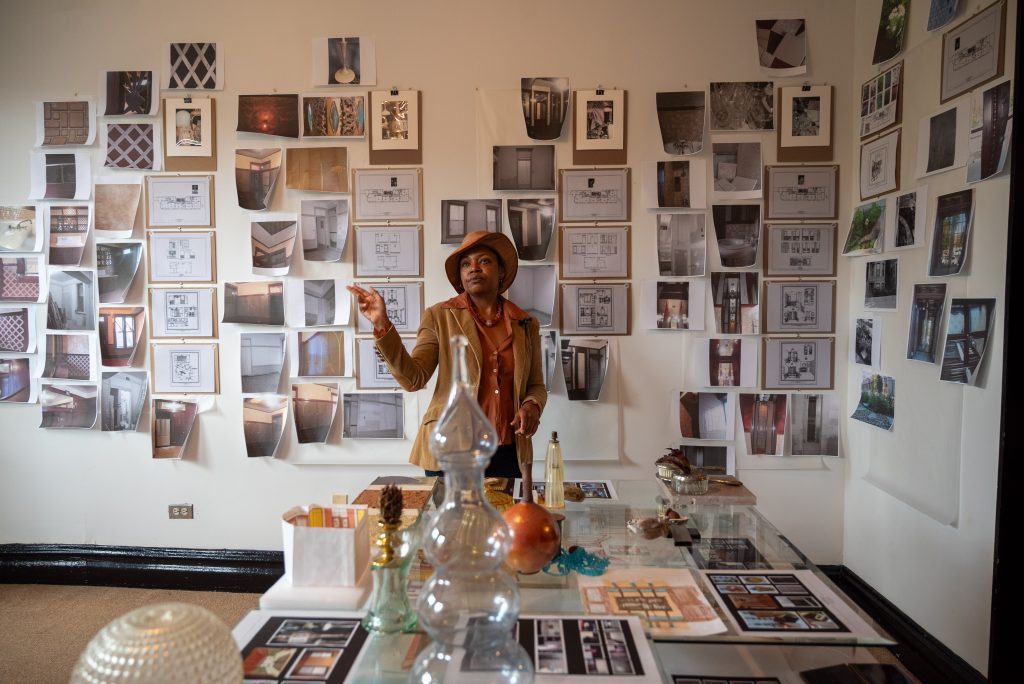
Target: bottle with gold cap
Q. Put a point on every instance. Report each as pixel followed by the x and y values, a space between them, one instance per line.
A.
pixel 554 475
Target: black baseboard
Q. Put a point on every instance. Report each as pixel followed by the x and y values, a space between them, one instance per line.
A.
pixel 925 656
pixel 136 566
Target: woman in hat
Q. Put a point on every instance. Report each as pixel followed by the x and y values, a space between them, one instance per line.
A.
pixel 504 362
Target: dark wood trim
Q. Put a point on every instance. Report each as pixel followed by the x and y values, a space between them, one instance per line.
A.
pixel 136 566
pixel 925 656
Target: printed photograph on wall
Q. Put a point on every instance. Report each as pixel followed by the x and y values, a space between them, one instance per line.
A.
pixel 988 147
pixel 968 329
pixel 314 407
pixel 545 103
pixel 524 167
pixel 737 232
pixel 533 291
pixel 707 415
pixel 721 362
pixel 877 404
pixel 19 279
pixel 907 216
pixel 344 61
pixel 549 355
pixel 71 302
pixel 18 230
pixel 926 309
pixel 271 240
pixel 256 173
pixel 531 223
pixel 736 169
pixel 584 367
pixel 813 424
pixel 263 419
pixel 867 230
pixel 941 12
pixel 130 92
pixel 67 406
pixel 880 166
pixel 60 175
pixel 881 101
pixel 183 312
pixel 67 122
pixel 269 115
pixel 17 330
pixel 194 66
pixel 942 140
pixel 262 360
pixel 764 423
pixel 742 106
pixel 319 298
pixel 172 421
pixel 782 46
pixel 736 300
pixel 373 416
pixel 116 266
pixel 866 342
pixel 16 384
pixel 120 333
pixel 461 216
pixel 333 117
pixel 258 303
pixel 672 304
pixel 892 29
pixel 972 51
pixel 319 353
pixel 317 169
pixel 682 248
pixel 70 225
pixel 324 228
pixel 115 206
pixel 122 398
pixel 880 284
pixel 954 215
pixel 681 120
pixel 132 146
pixel 69 357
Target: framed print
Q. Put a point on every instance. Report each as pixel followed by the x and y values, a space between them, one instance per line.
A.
pixel 523 167
pixel 881 101
pixel 594 195
pixel 404 302
pixel 459 217
pixel 183 312
pixel 188 127
pixel 801 192
pixel 179 202
pixel 795 250
pixel 594 252
pixel 371 370
pixel 342 116
pixel 796 307
pixel 972 52
pixel 599 127
pixel 795 363
pixel 184 368
pixel 345 61
pixel 598 309
pixel 387 194
pixel 182 256
pixel 545 103
pixel 805 124
pixel 395 127
pixel 880 166
pixel 388 251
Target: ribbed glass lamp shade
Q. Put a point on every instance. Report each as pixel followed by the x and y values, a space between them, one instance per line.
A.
pixel 166 643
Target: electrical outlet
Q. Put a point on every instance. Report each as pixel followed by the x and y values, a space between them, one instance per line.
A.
pixel 179 511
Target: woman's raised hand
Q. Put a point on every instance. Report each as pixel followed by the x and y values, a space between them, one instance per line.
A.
pixel 371 306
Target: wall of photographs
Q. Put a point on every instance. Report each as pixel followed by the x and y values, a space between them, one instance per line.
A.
pixel 692 275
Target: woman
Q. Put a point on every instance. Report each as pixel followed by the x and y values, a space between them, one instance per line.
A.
pixel 504 362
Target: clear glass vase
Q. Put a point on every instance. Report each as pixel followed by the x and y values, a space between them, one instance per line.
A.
pixel 470 605
pixel 389 610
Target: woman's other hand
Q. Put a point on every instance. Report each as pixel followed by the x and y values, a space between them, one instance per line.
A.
pixel 371 306
pixel 527 419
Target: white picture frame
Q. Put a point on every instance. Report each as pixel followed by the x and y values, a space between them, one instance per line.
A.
pixel 798 363
pixel 404 302
pixel 179 202
pixel 183 135
pixel 184 368
pixel 387 195
pixel 799 192
pixel 594 195
pixel 966 63
pixel 392 126
pixel 182 256
pixel 880 165
pixel 799 249
pixel 796 307
pixel 183 312
pixel 388 251
pixel 600 120
pixel 791 135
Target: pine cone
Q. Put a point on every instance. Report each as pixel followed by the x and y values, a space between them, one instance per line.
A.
pixel 390 504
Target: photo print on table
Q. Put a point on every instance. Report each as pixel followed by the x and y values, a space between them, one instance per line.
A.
pixel 69 357
pixel 967 338
pixel 372 370
pixel 262 360
pixel 907 221
pixel 737 232
pixel 892 29
pixel 941 12
pixel 585 367
pixel 19 231
pixel 988 147
pixel 181 201
pixel 314 407
pixel 123 396
pixel 317 169
pixel 256 173
pixel 194 66
pixel 880 166
pixel 387 194
pixel 672 305
pixel 115 206
pixel 60 175
pixel 973 52
pixel 67 406
pixel 182 256
pixel 185 368
pixel 63 123
pixel 764 423
pixel 69 228
pixel 19 279
pixel 269 115
pixel 318 353
pixel 707 415
pixel 257 303
pixel 881 101
pixel 682 248
pixel 867 230
pixel 545 103
pixel 263 419
pixel 344 60
pixel 172 421
pixel 866 342
pixel 531 223
pixel 681 120
pixel 71 301
pixel 17 330
pixel 116 266
pixel 16 384
pixel 373 415
pixel 183 312
pixel 813 424
pixel 736 169
pixel 272 239
pixel 926 309
pixel 798 363
pixel 324 228
pixel 132 146
pixel 736 300
pixel 742 106
pixel 333 117
pixel 533 291
pixel 881 278
pixel 954 216
pixel 523 167
pixel 459 217
pixel 942 139
pixel 804 306
pixel 388 251
pixel 877 403
pixel 597 309
pixel 120 332
pixel 799 249
pixel 130 92
pixel 594 252
pixel 782 46
pixel 594 195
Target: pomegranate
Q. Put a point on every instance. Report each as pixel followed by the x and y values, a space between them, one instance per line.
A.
pixel 533 531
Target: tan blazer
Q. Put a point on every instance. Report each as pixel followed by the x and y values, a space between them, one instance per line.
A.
pixel 433 351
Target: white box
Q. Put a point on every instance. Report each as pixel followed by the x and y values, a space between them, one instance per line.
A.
pixel 325 556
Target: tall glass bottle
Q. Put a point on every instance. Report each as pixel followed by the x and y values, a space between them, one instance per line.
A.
pixel 470 605
pixel 554 475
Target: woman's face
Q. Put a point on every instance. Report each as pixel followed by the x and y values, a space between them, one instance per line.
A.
pixel 481 272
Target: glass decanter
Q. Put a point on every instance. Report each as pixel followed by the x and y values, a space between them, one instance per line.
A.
pixel 470 605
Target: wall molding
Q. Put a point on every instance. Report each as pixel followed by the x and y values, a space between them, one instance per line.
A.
pixel 921 653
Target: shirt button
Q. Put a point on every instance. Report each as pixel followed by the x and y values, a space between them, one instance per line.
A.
pixel 495 370
pixel 495 391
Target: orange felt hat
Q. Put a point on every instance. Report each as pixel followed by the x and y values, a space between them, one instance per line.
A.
pixel 496 242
